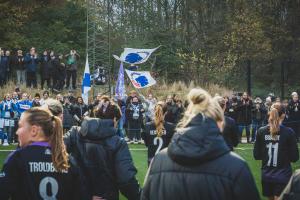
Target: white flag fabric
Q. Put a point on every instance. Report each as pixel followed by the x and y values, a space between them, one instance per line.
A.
pixel 86 82
pixel 135 56
pixel 140 79
pixel 120 86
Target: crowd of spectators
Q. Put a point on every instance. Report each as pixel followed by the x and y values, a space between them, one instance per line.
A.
pixel 56 70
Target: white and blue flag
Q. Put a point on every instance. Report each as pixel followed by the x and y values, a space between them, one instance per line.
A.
pixel 120 87
pixel 140 79
pixel 86 82
pixel 135 56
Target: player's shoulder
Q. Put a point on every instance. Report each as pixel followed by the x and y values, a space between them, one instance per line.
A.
pixel 150 125
pixel 264 130
pixel 169 126
pixel 287 130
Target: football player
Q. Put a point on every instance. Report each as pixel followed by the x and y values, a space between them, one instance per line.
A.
pixel 158 133
pixel 40 168
pixel 276 146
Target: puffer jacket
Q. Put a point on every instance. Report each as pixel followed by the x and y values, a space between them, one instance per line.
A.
pixel 199 165
pixel 104 158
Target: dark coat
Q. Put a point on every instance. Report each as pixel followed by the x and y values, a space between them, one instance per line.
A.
pixel 19 63
pixel 172 113
pixel 45 69
pixel 31 63
pixel 232 109
pixel 292 190
pixel 4 64
pixel 105 159
pixel 68 120
pixel 231 133
pixel 244 110
pixel 79 110
pixel 259 114
pixel 199 165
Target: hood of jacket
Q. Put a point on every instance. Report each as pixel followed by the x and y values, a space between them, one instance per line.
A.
pixel 97 129
pixel 199 142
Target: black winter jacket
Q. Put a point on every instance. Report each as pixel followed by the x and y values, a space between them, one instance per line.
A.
pixel 199 165
pixel 231 133
pixel 292 190
pixel 104 158
pixel 244 112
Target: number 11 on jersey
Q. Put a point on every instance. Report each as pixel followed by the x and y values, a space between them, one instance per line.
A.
pixel 273 154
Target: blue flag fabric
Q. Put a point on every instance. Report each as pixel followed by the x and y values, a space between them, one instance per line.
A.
pixel 135 56
pixel 140 79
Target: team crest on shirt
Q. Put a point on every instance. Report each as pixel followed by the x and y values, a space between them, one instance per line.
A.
pixel 47 152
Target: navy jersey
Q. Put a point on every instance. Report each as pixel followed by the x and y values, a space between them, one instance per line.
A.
pixel 276 154
pixel 29 174
pixel 155 143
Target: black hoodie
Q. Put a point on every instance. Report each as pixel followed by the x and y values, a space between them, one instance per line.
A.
pixel 199 165
pixel 105 159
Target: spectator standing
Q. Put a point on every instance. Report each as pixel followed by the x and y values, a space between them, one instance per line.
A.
pixel 259 116
pixel 62 73
pixel 171 110
pixel 231 130
pixel 79 110
pixel 106 109
pixel 45 70
pixel 294 114
pixel 134 116
pixel 233 107
pixel 45 97
pixel 244 118
pixel 10 65
pixel 71 68
pixel 68 120
pixel 20 68
pixel 36 101
pixel 31 60
pixel 4 67
pixel 7 108
pixel 23 104
pixel 151 102
pixel 132 94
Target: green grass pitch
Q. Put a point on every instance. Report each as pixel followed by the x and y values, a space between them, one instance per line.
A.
pixel 139 155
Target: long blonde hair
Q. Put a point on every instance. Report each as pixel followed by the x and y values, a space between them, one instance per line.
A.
pixel 159 119
pixel 53 130
pixel 200 101
pixel 276 115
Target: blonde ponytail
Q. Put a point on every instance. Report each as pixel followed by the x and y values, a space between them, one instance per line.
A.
pixel 201 102
pixel 159 119
pixel 276 114
pixel 59 153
